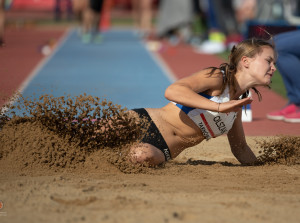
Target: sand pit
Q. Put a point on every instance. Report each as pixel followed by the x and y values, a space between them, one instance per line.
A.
pixel 46 177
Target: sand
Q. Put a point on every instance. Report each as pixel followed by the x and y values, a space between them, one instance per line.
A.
pixel 46 177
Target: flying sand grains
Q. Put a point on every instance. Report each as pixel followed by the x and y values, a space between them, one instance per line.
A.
pixel 64 131
pixel 68 132
pixel 281 150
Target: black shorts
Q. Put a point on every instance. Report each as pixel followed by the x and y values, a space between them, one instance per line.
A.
pixel 96 5
pixel 153 136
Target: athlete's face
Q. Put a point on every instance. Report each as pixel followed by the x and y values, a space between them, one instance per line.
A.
pixel 262 66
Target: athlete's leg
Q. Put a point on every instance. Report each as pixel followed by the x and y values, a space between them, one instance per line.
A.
pixel 288 63
pixel 146 153
pixel 152 148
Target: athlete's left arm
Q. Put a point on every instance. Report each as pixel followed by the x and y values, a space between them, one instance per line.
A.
pixel 238 144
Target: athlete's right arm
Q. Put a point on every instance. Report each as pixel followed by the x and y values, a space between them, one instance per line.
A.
pixel 185 92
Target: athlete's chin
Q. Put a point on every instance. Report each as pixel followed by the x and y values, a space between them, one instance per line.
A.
pixel 264 83
pixel 267 81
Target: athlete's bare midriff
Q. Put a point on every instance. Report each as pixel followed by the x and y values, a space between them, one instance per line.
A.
pixel 178 130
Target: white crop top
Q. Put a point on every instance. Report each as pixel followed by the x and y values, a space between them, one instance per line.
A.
pixel 212 124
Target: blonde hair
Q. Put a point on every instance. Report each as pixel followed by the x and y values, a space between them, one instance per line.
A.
pixel 249 48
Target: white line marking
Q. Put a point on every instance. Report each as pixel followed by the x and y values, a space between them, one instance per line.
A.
pixel 35 71
pixel 44 61
pixel 157 58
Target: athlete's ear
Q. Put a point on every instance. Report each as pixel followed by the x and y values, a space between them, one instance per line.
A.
pixel 245 61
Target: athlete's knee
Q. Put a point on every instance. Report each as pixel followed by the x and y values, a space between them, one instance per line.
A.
pixel 141 156
pixel 146 154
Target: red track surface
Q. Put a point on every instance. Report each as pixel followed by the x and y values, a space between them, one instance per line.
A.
pixel 21 55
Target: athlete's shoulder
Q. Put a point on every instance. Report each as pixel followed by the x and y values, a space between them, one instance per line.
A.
pixel 214 76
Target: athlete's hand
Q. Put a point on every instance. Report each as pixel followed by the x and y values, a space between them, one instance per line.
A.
pixel 234 105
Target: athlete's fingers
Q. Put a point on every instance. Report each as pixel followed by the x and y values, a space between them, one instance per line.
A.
pixel 245 101
pixel 235 105
pixel 248 99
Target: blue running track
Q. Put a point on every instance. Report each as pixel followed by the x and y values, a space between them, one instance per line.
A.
pixel 119 69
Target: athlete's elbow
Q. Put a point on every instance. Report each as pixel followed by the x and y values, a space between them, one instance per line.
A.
pixel 169 93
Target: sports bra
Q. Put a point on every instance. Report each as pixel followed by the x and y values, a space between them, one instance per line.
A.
pixel 212 124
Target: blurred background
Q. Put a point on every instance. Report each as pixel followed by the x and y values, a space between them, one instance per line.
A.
pixel 209 26
pixel 185 35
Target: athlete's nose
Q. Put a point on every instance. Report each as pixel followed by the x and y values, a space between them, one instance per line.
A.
pixel 273 68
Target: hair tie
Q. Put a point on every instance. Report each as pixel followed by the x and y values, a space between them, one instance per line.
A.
pixel 231 66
